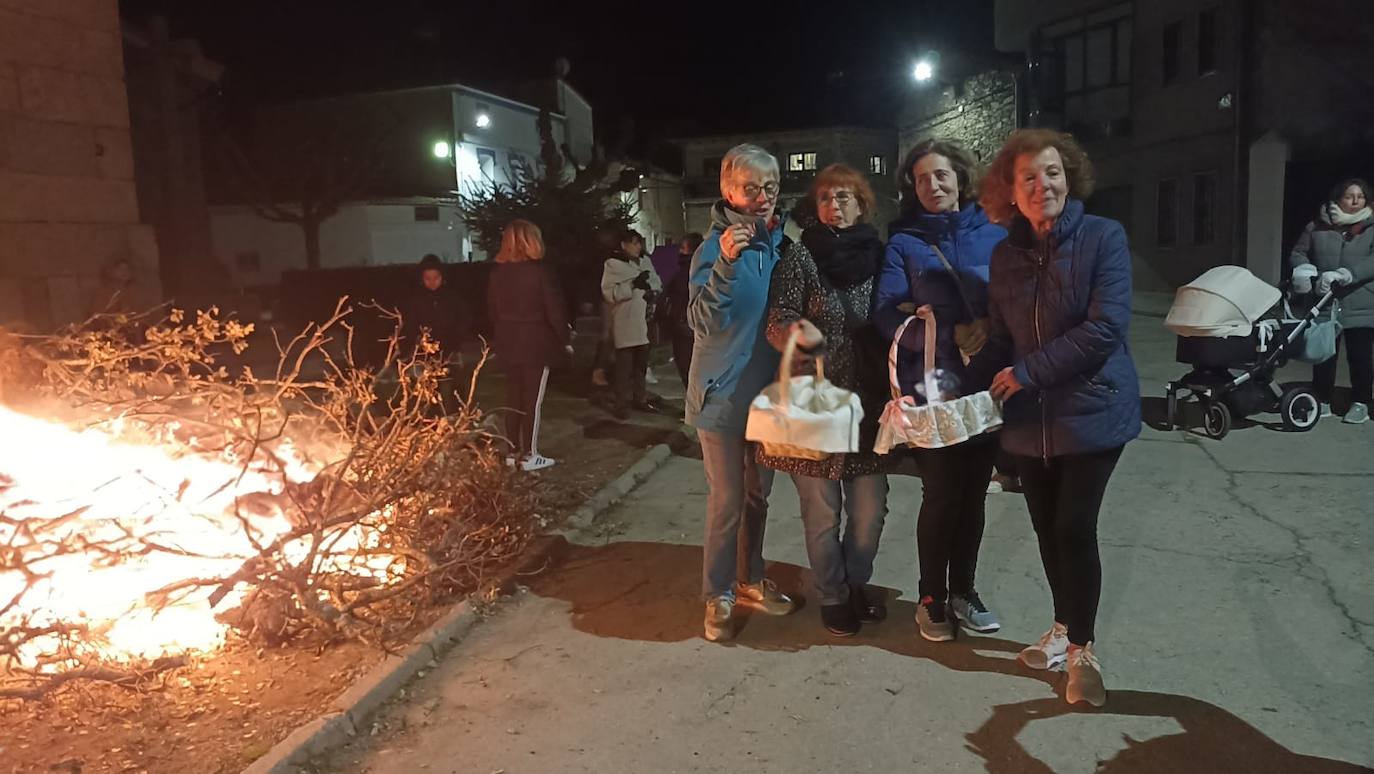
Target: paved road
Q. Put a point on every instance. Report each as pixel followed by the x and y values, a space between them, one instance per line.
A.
pixel 1237 634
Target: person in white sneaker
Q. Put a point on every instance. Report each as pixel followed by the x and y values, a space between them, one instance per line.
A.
pixel 1337 250
pixel 1059 307
pixel 530 333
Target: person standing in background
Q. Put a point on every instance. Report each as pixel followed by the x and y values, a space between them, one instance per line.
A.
pixel 434 308
pixel 628 285
pixel 672 307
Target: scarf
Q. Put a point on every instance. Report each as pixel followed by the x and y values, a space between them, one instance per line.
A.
pixel 845 257
pixel 1333 215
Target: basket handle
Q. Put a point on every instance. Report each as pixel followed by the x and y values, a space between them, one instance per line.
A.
pixel 789 351
pixel 923 313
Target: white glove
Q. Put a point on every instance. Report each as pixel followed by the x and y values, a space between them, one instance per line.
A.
pixel 1303 276
pixel 1329 278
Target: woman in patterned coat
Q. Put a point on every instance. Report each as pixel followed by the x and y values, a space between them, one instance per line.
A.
pixel 823 287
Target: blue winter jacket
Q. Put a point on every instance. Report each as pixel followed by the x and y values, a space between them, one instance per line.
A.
pixel 913 273
pixel 1059 311
pixel 732 360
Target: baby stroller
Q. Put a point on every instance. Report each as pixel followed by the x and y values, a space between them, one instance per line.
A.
pixel 1223 333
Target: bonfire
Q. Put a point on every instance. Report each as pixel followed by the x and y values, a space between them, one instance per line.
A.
pixel 155 507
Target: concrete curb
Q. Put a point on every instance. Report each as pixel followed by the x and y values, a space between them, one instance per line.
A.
pixel 349 713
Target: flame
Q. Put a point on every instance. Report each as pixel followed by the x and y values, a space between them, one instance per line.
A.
pixel 146 490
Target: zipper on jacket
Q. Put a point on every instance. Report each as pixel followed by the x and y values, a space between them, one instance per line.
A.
pixel 1040 260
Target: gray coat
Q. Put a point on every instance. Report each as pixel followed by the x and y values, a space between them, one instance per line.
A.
pixel 1350 247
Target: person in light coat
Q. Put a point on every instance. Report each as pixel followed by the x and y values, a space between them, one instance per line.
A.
pixel 628 284
pixel 1337 250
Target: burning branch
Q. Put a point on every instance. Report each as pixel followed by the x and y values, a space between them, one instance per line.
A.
pixel 175 500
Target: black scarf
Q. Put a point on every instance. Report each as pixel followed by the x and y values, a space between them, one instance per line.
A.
pixel 846 257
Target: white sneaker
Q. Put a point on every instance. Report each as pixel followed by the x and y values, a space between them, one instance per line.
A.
pixel 1326 411
pixel 649 377
pixel 536 462
pixel 1358 414
pixel 1051 651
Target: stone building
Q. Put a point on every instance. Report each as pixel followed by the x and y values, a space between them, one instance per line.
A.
pixel 1216 127
pixel 980 111
pixel 800 153
pixel 68 202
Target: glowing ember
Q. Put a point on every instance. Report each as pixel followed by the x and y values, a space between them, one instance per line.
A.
pixel 131 494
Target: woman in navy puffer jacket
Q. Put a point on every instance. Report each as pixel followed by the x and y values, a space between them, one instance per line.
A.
pixel 1059 302
pixel 937 256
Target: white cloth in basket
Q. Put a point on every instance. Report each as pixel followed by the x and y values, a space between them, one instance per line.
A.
pixel 804 412
pixel 939 423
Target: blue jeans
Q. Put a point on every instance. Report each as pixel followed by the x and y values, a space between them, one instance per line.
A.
pixel 839 563
pixel 736 510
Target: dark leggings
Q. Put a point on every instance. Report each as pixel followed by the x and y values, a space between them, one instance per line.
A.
pixel 1359 353
pixel 949 528
pixel 1064 495
pixel 525 386
pixel 630 365
pixel 682 354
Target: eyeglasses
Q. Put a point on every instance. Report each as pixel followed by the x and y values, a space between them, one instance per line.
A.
pixel 752 191
pixel 840 199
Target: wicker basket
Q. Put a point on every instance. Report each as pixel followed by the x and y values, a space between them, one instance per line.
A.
pixel 849 412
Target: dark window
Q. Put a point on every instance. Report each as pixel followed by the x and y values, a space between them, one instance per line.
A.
pixel 1204 209
pixel 710 167
pixel 1166 214
pixel 1098 57
pixel 1207 41
pixel 248 261
pixel 1173 33
pixel 426 213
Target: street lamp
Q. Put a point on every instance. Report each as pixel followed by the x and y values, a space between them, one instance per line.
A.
pixel 483 120
pixel 924 71
pixel 441 150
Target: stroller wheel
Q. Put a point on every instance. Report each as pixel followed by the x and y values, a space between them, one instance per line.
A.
pixel 1216 420
pixel 1299 409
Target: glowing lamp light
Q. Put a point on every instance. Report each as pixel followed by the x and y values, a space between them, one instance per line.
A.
pixel 483 120
pixel 441 150
pixel 924 71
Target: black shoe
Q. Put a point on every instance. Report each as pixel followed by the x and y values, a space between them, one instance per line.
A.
pixel 870 608
pixel 647 407
pixel 840 620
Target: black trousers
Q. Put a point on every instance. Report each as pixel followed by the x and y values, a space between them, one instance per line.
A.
pixel 630 365
pixel 1064 496
pixel 682 354
pixel 1359 354
pixel 949 528
pixel 525 388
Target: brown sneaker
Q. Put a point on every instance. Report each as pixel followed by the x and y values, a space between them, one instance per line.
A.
pixel 1085 677
pixel 764 597
pixel 719 627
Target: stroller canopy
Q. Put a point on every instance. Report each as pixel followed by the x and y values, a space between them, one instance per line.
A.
pixel 1225 301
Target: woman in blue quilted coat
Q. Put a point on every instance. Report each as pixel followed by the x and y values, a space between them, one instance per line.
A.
pixel 1059 305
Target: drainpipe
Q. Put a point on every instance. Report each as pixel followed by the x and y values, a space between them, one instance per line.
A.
pixel 1244 29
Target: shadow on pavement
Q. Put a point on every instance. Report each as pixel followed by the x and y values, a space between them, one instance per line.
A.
pixel 1212 740
pixel 650 592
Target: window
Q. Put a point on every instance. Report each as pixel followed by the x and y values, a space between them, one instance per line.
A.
pixel 486 163
pixel 425 214
pixel 1207 41
pixel 248 261
pixel 801 162
pixel 710 167
pixel 1085 55
pixel 1204 209
pixel 877 165
pixel 1169 65
pixel 1166 214
pixel 519 166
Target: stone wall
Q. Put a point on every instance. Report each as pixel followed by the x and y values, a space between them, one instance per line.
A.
pixel 68 205
pixel 980 113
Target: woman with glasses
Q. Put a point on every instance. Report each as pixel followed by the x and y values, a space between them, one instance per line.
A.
pixel 823 290
pixel 938 256
pixel 732 362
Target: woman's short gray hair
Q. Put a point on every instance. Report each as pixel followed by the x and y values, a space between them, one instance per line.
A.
pixel 745 156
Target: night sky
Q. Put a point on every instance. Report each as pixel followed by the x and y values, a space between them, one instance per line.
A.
pixel 676 69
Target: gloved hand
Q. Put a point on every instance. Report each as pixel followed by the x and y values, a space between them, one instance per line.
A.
pixel 1330 278
pixel 1303 276
pixel 971 336
pixel 642 281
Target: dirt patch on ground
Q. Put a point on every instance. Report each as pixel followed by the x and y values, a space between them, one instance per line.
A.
pixel 221 713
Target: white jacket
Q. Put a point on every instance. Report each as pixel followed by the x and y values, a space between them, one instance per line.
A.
pixel 628 310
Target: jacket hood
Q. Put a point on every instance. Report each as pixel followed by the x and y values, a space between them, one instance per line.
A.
pixel 1023 236
pixel 930 226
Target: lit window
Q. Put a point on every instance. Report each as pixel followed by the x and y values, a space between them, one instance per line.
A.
pixel 877 165
pixel 801 162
